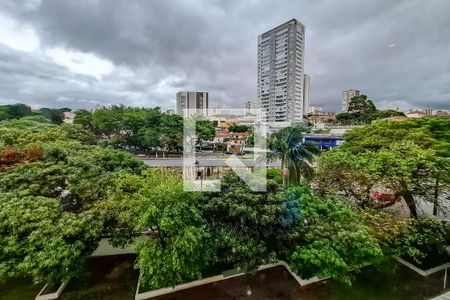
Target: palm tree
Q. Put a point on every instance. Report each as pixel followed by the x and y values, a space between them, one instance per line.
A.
pixel 296 156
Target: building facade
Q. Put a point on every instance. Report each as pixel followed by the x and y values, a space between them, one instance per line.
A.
pixel 306 81
pixel 324 141
pixel 314 109
pixel 280 72
pixel 347 96
pixel 251 108
pixel 197 101
pixel 321 117
pixel 443 113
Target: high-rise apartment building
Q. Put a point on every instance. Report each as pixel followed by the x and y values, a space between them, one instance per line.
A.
pixel 306 80
pixel 197 101
pixel 280 72
pixel 347 96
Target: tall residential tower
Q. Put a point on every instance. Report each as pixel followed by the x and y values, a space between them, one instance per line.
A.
pixel 280 72
pixel 347 96
pixel 197 101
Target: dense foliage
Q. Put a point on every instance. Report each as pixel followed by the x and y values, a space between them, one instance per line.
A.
pixel 407 159
pixel 134 128
pixel 426 242
pixel 17 111
pixel 336 239
pixel 34 129
pixel 60 193
pixel 176 245
pixel 39 239
pixel 363 111
pixel 247 225
pixel 204 130
pixel 49 184
pixel 239 128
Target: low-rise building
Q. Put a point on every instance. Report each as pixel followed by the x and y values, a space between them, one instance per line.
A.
pixel 231 142
pixel 313 109
pixel 321 117
pixel 324 141
pixel 417 114
pixel 236 146
pixel 443 113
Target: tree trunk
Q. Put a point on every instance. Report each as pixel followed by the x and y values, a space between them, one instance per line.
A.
pixel 409 199
pixel 436 197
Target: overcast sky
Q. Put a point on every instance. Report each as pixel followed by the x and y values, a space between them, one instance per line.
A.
pixel 81 53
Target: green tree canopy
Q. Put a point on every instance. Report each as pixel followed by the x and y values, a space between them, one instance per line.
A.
pixel 35 129
pixel 177 246
pixel 363 111
pixel 248 226
pixel 38 238
pixel 407 159
pixel 205 131
pixel 14 111
pixel 429 132
pixel 43 232
pixel 239 128
pixel 84 118
pixel 360 104
pixel 336 239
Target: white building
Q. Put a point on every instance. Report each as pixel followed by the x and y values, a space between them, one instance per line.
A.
pixel 280 72
pixel 197 101
pixel 306 81
pixel 347 96
pixel 418 114
pixel 251 108
pixel 217 111
pixel 315 109
pixel 68 117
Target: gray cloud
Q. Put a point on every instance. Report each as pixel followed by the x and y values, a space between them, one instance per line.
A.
pixel 159 47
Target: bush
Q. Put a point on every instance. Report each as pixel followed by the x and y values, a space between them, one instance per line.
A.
pixel 425 243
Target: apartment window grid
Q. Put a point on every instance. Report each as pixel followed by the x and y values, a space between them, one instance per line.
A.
pixel 280 72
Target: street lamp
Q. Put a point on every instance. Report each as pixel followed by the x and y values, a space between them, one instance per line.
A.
pixel 199 173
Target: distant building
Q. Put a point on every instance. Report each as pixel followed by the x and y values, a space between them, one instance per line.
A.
pixel 197 101
pixel 170 112
pixel 237 142
pixel 443 113
pixel 306 81
pixel 347 96
pixel 417 114
pixel 426 110
pixel 396 108
pixel 251 108
pixel 280 72
pixel 321 117
pixel 217 111
pixel 314 109
pixel 324 141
